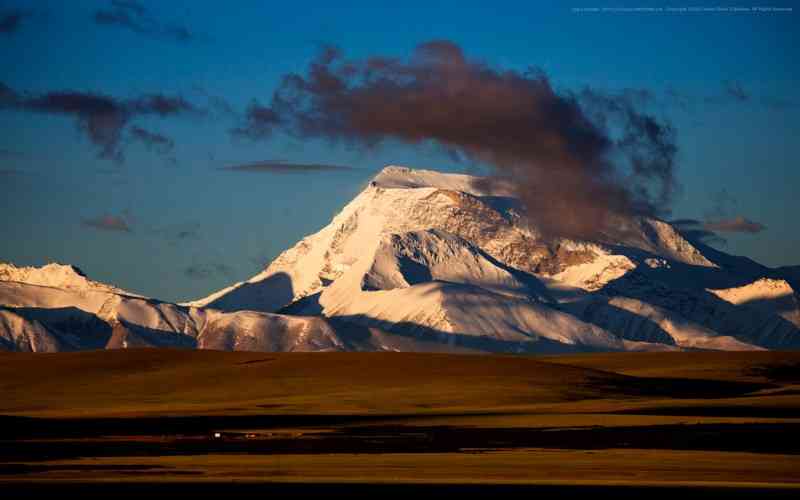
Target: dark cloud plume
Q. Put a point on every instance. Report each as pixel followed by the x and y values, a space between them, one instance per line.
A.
pixel 11 20
pixel 108 222
pixel 152 140
pixel 102 118
pixel 580 160
pixel 282 167
pixel 133 16
pixel 737 224
pixel 204 271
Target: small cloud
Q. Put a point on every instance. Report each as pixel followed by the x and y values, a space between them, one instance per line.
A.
pixel 11 172
pixel 736 91
pixel 735 225
pixel 706 231
pixel 102 118
pixel 11 20
pixel 178 234
pixel 217 105
pixel 685 222
pixel 187 234
pixel 8 96
pixel 153 141
pixel 205 271
pixel 281 167
pixel 109 223
pixel 693 230
pixel 133 16
pixel 777 103
pixel 680 99
pixel 731 92
pixel 131 5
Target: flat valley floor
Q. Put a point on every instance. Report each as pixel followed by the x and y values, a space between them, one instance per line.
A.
pixel 366 423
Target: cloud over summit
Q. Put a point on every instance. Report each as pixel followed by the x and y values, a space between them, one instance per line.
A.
pixel 579 160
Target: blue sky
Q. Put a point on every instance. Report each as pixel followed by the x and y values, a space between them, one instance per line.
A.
pixel 726 81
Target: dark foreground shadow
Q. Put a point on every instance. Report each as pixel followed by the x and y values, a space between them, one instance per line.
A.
pixel 228 488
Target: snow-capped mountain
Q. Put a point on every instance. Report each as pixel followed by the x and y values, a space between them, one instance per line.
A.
pixel 422 260
pixel 56 308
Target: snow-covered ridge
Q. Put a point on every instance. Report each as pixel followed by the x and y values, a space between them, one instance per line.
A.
pixel 774 296
pixel 761 289
pixel 55 275
pixel 397 177
pixel 423 260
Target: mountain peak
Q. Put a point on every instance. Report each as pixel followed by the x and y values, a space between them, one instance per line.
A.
pixel 425 260
pixel 399 177
pixel 50 274
pixel 53 274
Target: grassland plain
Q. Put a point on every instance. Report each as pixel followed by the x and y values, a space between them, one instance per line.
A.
pixel 699 419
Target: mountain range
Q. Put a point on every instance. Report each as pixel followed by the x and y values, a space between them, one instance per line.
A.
pixel 427 261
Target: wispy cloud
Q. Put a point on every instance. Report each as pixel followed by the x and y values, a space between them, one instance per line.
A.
pixel 11 172
pixel 777 103
pixel 730 92
pixel 179 234
pixel 101 117
pixel 204 271
pixel 693 230
pixel 736 91
pixel 737 224
pixel 282 167
pixel 133 16
pixel 153 141
pixel 707 231
pixel 217 105
pixel 11 19
pixel 108 222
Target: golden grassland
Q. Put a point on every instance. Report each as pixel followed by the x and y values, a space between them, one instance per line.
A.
pixel 427 391
pixel 180 382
